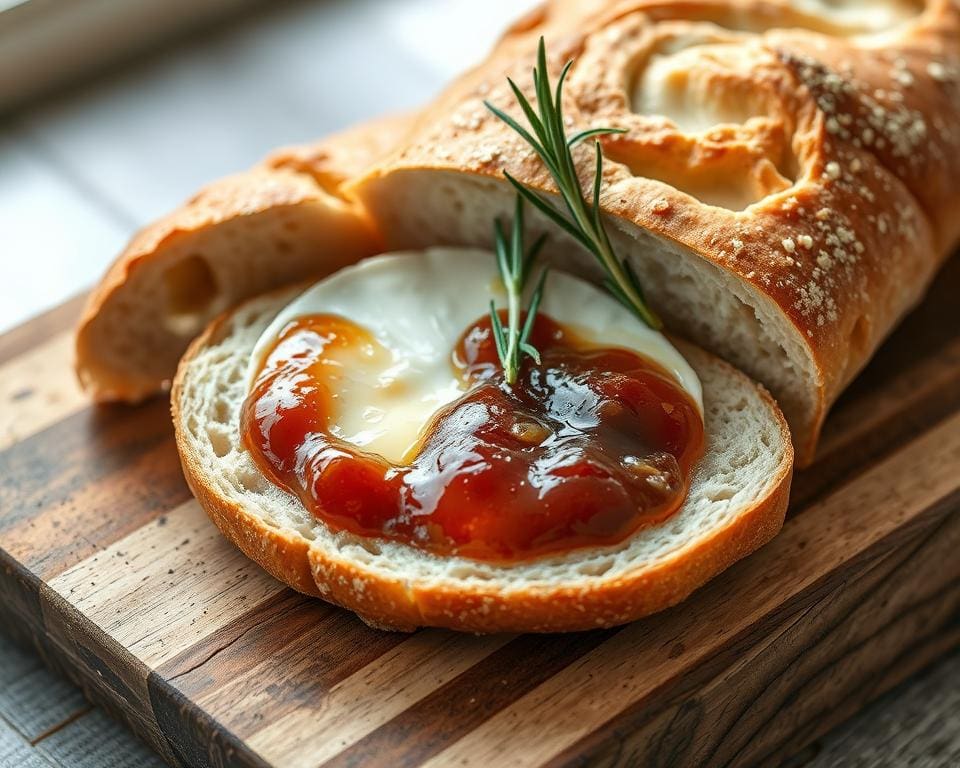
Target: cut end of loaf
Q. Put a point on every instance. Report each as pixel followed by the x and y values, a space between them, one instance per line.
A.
pixel 736 504
pixel 241 236
pixel 279 223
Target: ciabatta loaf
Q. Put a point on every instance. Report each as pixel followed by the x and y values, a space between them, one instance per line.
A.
pixel 281 222
pixel 786 185
pixel 736 503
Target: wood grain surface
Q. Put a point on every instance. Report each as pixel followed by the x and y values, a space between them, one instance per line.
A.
pixel 112 571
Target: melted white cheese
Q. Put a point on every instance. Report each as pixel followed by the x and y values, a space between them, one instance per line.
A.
pixel 417 305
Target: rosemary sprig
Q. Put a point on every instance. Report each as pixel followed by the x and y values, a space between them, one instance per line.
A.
pixel 583 220
pixel 513 341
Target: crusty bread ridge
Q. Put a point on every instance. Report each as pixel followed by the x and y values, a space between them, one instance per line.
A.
pixel 736 504
pixel 786 186
pixel 276 224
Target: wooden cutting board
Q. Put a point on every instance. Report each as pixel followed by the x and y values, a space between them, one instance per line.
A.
pixel 113 572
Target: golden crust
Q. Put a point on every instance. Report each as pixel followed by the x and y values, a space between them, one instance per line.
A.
pixel 827 183
pixel 488 608
pixel 392 603
pixel 294 188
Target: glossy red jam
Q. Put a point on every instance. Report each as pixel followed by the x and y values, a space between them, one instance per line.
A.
pixel 583 450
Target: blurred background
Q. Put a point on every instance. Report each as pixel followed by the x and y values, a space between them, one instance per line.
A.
pixel 112 112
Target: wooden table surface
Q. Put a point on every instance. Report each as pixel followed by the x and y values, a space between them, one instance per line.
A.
pixel 79 172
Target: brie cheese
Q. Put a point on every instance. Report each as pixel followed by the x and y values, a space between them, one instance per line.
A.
pixel 416 305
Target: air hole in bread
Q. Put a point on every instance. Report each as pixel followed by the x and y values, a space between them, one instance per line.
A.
pixel 221 411
pixel 191 293
pixel 357 548
pixel 306 531
pixel 720 494
pixel 252 480
pixel 219 441
pixel 595 567
pixel 747 311
pixel 466 572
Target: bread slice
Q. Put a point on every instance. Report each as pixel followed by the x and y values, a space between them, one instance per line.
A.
pixel 736 504
pixel 279 223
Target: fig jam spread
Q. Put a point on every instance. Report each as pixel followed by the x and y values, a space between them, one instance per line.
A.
pixel 584 449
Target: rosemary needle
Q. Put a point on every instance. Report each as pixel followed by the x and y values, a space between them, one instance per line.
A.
pixel 582 220
pixel 513 341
